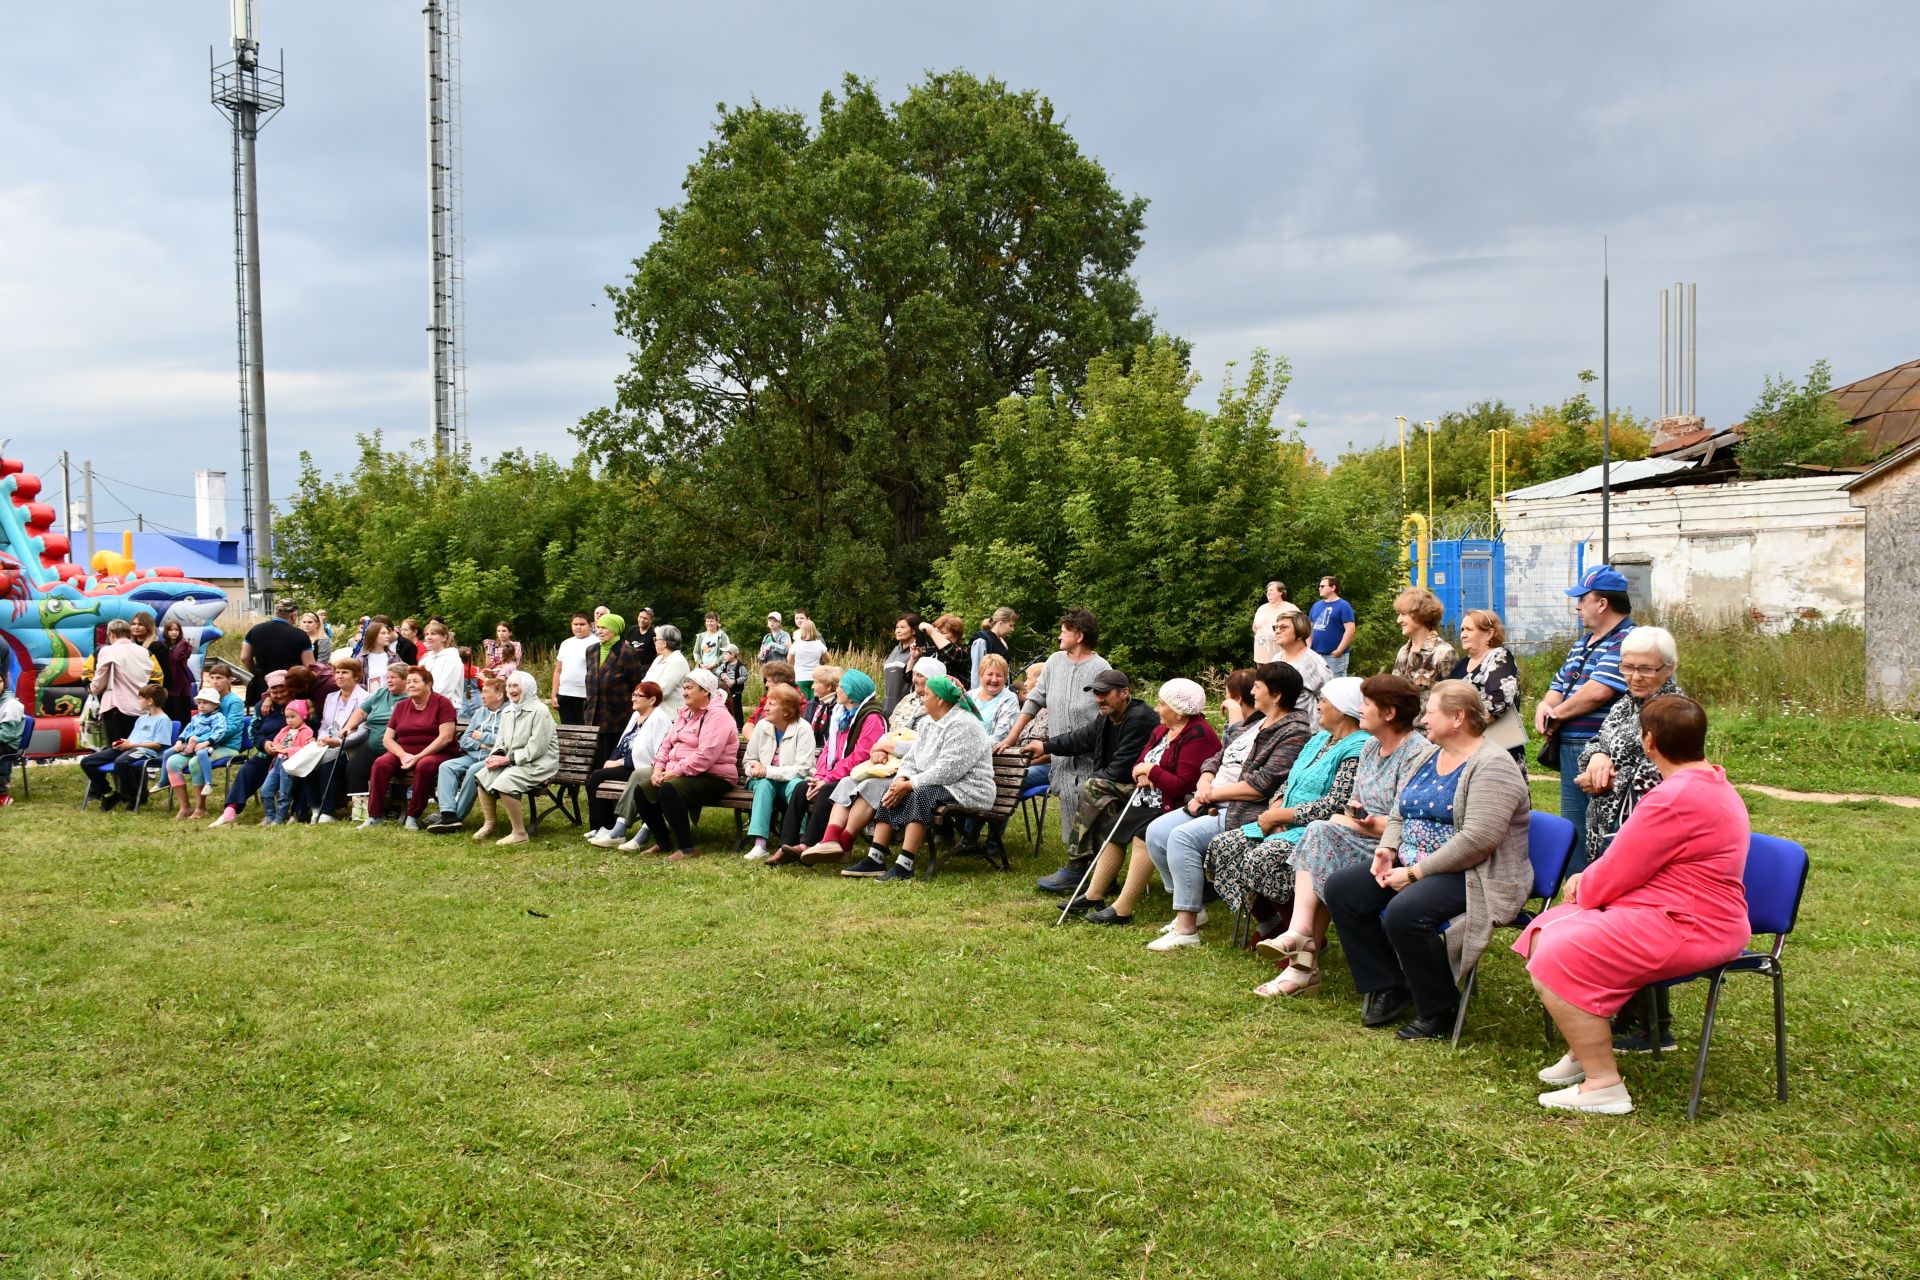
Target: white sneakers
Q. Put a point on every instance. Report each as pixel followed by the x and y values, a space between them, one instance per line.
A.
pixel 1566 1071
pixel 1173 940
pixel 757 855
pixel 1610 1101
pixel 604 840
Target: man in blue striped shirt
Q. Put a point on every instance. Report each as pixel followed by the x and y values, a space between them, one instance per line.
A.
pixel 1588 683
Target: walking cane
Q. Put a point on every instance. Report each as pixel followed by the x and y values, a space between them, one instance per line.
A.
pixel 1091 862
pixel 339 754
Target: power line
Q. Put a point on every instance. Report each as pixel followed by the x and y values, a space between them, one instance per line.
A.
pixel 165 493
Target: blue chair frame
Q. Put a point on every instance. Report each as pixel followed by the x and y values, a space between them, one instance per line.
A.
pixel 1550 844
pixel 21 758
pixel 1033 816
pixel 1775 878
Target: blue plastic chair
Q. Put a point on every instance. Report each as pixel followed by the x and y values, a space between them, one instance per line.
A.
pixel 26 745
pixel 1033 813
pixel 1550 843
pixel 156 768
pixel 1776 877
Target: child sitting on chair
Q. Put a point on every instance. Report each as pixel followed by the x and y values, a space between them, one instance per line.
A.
pixel 116 773
pixel 13 724
pixel 276 793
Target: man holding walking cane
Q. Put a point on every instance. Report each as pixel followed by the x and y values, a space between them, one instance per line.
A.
pixel 1109 744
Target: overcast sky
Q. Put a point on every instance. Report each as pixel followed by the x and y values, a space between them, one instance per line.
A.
pixel 1407 199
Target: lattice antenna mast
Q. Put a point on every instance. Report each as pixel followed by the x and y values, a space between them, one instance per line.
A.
pixel 446 241
pixel 249 94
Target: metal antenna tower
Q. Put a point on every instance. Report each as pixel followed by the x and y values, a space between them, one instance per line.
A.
pixel 248 95
pixel 446 238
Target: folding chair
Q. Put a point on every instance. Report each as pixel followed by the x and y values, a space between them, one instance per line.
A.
pixel 1550 842
pixel 151 775
pixel 21 757
pixel 1776 877
pixel 1033 813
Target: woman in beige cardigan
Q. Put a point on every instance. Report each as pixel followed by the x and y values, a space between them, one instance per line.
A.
pixel 1454 856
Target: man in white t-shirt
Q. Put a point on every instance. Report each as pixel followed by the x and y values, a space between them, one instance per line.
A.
pixel 570 671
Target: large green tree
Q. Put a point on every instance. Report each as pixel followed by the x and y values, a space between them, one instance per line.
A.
pixel 829 309
pixel 1797 424
pixel 1162 518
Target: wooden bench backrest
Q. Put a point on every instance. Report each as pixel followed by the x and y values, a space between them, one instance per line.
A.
pixel 579 744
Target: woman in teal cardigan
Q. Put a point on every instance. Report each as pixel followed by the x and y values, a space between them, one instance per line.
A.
pixel 1251 864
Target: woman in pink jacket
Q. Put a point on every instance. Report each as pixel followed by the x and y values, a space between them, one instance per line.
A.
pixel 1666 899
pixel 698 762
pixel 853 726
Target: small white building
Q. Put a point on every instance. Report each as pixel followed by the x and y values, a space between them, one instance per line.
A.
pixel 1770 550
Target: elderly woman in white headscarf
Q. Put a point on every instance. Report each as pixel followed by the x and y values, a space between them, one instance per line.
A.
pixel 669 669
pixel 526 753
pixel 856 798
pixel 1163 778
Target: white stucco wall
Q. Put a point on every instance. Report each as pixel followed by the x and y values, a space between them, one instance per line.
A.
pixel 1775 550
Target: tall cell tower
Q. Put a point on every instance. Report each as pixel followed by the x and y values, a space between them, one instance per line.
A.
pixel 250 94
pixel 446 325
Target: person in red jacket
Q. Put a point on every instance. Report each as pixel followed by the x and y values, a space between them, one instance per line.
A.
pixel 1668 898
pixel 1164 776
pixel 698 762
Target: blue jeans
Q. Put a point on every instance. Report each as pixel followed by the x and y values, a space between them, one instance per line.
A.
pixel 1337 665
pixel 1177 843
pixel 458 785
pixel 1573 801
pixel 276 793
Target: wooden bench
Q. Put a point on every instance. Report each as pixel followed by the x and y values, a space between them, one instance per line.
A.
pixel 738 799
pixel 579 756
pixel 1009 779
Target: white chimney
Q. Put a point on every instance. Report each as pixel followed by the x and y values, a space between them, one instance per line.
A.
pixel 210 504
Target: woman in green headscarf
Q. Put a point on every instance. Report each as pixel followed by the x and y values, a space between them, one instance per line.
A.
pixel 949 764
pixel 614 667
pixel 853 727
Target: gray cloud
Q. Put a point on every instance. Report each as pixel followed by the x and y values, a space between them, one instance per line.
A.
pixel 1406 199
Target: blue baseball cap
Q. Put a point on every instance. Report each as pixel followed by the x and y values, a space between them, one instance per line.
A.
pixel 1603 577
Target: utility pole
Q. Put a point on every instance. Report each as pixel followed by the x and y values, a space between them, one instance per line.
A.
pixel 249 95
pixel 86 471
pixel 66 500
pixel 1606 410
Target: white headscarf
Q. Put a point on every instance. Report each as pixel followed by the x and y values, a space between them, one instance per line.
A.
pixel 529 695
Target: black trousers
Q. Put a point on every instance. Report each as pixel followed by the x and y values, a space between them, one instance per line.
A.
pixel 126 770
pixel 812 814
pixel 666 808
pixel 1390 939
pixel 353 776
pixel 600 812
pixel 246 778
pixel 572 710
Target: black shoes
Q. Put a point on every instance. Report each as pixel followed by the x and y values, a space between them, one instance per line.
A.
pixel 1065 880
pixel 1437 1027
pixel 1080 906
pixel 1384 1008
pixel 443 822
pixel 894 873
pixel 1107 915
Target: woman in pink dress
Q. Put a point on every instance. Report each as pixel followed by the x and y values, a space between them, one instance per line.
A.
pixel 1667 899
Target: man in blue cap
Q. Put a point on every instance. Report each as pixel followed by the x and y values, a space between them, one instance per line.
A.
pixel 1587 685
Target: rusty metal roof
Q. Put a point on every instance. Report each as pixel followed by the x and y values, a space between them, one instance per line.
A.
pixel 1885 407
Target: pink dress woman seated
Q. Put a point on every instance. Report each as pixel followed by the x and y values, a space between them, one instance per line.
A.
pixel 1667 899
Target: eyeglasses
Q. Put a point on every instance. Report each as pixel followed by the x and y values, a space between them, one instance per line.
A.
pixel 1635 669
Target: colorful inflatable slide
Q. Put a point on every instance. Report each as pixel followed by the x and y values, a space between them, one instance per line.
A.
pixel 54 614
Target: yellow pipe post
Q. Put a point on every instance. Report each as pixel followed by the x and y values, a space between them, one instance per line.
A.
pixel 1422 536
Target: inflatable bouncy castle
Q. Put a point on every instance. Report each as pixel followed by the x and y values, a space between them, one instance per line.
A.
pixel 54 614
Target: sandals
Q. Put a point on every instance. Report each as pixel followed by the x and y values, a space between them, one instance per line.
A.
pixel 1288 945
pixel 1294 980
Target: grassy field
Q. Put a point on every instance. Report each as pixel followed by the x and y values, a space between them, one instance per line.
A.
pixel 314 1052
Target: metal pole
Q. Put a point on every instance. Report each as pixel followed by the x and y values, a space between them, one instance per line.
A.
pixel 1606 408
pixel 1693 348
pixel 1400 420
pixel 436 239
pixel 1679 342
pixel 86 472
pixel 66 501
pixel 257 375
pixel 1663 353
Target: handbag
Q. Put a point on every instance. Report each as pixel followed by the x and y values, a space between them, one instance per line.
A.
pixel 1507 732
pixel 298 764
pixel 1550 749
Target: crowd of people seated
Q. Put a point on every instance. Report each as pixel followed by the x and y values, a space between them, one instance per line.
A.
pixel 1389 814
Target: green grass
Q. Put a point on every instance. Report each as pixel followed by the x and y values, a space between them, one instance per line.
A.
pixel 314 1052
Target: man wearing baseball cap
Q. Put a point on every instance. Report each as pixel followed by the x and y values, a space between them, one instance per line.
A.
pixel 1587 685
pixel 1110 744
